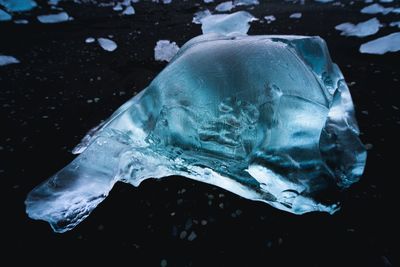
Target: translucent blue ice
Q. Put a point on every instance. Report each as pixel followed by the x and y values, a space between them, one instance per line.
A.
pixel 269 118
pixel 4 16
pixel 18 5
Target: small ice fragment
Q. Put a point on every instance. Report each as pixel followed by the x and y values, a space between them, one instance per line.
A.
pixel 54 18
pixel 192 236
pixel 388 43
pixel 200 15
pixel 395 24
pixel 208 1
pixel 167 1
pixel 375 9
pixel 324 1
pixel 53 2
pixel 126 3
pixel 4 16
pixel 165 50
pixel 21 21
pixel 107 44
pixel 225 6
pixel 6 60
pixel 269 19
pixel 386 1
pixel 129 11
pixel 18 5
pixel 245 2
pixel 361 29
pixel 227 23
pixel 296 16
pixel 118 7
pixel 396 10
pixel 89 40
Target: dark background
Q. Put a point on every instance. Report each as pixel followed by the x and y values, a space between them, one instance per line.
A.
pixel 63 87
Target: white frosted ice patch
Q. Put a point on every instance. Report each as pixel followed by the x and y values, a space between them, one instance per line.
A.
pixel 227 23
pixel 245 2
pixel 200 15
pixel 118 7
pixel 375 9
pixel 6 60
pixel 361 29
pixel 53 2
pixel 129 11
pixel 165 50
pixel 296 16
pixel 18 5
pixel 54 18
pixel 107 44
pixel 4 16
pixel 21 21
pixel 395 24
pixel 380 46
pixel 225 6
pixel 90 40
pixel 269 18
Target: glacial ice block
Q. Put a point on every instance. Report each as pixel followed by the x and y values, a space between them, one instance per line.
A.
pixel 269 118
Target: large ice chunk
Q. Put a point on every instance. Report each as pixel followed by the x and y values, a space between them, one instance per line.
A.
pixel 269 118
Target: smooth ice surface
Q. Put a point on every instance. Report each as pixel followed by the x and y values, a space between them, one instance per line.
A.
pixel 6 60
pixel 227 23
pixel 90 40
pixel 4 16
pixel 375 9
pixel 129 11
pixel 107 44
pixel 54 18
pixel 380 46
pixel 245 2
pixel 296 16
pixel 165 50
pixel 225 6
pixel 269 118
pixel 18 5
pixel 361 29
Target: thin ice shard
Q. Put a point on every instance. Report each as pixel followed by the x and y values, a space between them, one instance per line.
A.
pixel 269 118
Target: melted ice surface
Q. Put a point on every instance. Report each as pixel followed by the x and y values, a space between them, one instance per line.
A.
pixel 269 118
